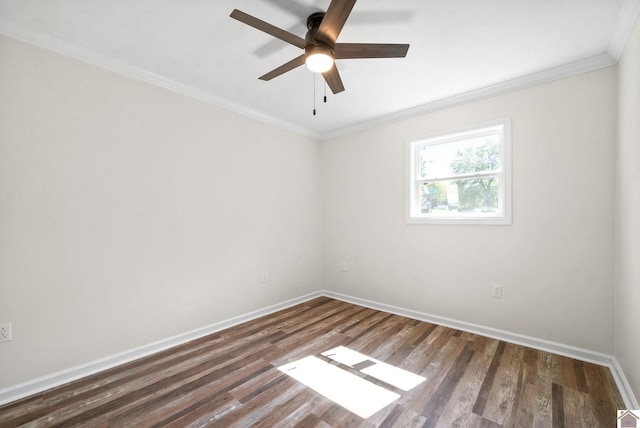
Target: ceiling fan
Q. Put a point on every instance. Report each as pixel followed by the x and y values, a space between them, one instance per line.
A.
pixel 320 47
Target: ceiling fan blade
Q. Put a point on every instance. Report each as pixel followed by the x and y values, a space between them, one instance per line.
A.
pixel 268 28
pixel 294 63
pixel 370 50
pixel 333 21
pixel 332 77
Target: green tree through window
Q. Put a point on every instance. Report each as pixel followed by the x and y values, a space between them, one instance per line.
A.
pixel 481 191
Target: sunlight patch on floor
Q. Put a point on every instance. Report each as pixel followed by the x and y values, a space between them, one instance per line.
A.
pixel 346 389
pixel 380 370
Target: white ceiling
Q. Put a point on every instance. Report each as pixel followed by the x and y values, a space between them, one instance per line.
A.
pixel 460 50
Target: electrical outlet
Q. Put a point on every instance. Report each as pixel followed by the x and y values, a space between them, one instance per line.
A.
pixel 5 332
pixel 265 276
pixel 497 291
pixel 343 266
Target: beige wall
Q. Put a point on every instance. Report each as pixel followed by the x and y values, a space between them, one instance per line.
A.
pixel 129 214
pixel 627 342
pixel 555 262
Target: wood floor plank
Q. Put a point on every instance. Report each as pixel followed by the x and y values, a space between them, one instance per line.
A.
pixel 286 354
pixel 252 387
pixel 140 399
pixel 420 333
pixel 418 360
pixel 178 397
pixel 357 328
pixel 230 378
pixel 599 381
pixel 387 335
pixel 393 416
pixel 436 404
pixel 458 411
pixel 557 401
pixel 523 413
pixel 435 373
pixel 486 423
pixel 409 419
pixel 274 408
pixel 581 379
pixel 563 371
pixel 504 391
pixel 577 410
pixel 205 413
pixel 336 416
pixel 306 415
pixel 271 405
pixel 309 421
pixel 105 382
pixel 542 407
pixel 488 380
pixel 316 319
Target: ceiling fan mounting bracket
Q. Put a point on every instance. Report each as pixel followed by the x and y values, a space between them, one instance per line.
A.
pixel 314 20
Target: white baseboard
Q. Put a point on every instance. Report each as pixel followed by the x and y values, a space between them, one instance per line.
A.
pixel 518 339
pixel 623 385
pixel 35 386
pixel 53 380
pixel 543 345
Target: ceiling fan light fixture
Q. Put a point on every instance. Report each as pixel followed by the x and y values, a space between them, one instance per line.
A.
pixel 319 59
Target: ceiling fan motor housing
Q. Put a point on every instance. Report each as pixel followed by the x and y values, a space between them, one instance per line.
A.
pixel 319 55
pixel 314 45
pixel 314 20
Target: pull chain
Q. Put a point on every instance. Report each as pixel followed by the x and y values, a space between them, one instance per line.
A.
pixel 325 91
pixel 314 94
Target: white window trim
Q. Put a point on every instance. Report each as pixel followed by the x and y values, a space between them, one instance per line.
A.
pixel 455 134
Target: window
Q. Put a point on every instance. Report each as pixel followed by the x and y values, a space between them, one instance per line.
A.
pixel 461 176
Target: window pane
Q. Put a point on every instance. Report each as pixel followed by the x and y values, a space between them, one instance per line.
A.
pixel 471 155
pixel 460 176
pixel 457 197
pixel 438 196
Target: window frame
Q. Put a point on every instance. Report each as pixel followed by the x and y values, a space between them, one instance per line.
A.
pixel 413 181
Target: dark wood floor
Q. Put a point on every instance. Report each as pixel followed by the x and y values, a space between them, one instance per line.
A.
pixel 230 379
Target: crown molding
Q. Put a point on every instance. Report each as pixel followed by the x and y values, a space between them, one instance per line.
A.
pixel 627 17
pixel 545 76
pixel 628 14
pixel 106 62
